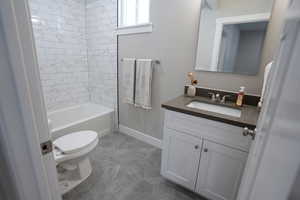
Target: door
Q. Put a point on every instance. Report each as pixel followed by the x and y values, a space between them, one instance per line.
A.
pixel 220 171
pixel 22 110
pixel 180 159
pixel 274 161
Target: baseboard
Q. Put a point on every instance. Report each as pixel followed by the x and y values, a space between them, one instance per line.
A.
pixel 141 136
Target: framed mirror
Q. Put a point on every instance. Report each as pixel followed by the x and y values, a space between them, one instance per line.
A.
pixel 231 35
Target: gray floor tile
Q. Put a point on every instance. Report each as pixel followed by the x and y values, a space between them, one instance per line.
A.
pixel 127 169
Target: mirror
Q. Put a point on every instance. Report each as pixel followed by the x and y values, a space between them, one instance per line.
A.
pixel 231 35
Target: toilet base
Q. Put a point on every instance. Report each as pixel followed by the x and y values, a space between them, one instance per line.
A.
pixel 70 177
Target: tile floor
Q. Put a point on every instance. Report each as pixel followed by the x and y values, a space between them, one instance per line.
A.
pixel 127 169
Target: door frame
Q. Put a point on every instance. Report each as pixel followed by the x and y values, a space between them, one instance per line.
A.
pixel 23 115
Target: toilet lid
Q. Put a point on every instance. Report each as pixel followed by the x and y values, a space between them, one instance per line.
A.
pixel 76 141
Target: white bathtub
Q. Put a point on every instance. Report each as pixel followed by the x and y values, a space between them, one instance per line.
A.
pixel 83 117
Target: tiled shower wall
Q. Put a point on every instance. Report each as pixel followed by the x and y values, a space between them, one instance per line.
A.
pixel 76 50
pixel 101 22
pixel 59 30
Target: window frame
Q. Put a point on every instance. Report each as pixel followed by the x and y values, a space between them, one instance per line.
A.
pixel 136 28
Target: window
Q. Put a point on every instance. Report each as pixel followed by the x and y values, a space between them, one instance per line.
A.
pixel 134 15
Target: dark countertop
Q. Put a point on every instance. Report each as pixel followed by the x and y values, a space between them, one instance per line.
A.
pixel 249 114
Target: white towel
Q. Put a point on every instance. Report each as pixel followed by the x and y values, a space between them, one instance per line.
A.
pixel 128 78
pixel 143 82
pixel 265 83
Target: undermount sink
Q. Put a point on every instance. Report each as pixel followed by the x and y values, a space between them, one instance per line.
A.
pixel 234 112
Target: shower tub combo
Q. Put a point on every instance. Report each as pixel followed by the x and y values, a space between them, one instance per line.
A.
pixel 83 117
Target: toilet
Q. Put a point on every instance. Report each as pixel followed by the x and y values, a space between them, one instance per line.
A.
pixel 71 155
pixel 74 145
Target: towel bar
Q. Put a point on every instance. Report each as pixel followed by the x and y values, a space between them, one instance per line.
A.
pixel 155 61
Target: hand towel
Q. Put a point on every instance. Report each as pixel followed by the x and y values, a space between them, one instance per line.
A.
pixel 265 82
pixel 128 80
pixel 143 83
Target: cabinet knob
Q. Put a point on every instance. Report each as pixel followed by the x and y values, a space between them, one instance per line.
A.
pixel 205 150
pixel 196 147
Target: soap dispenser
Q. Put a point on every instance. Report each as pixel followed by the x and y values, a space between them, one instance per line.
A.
pixel 240 96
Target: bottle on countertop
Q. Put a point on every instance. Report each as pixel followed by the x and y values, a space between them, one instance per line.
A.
pixel 240 96
pixel 191 89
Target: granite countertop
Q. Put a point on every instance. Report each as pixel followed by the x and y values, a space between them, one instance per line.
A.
pixel 249 113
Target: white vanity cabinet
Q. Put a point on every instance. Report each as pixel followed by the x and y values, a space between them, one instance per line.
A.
pixel 203 155
pixel 220 171
pixel 181 160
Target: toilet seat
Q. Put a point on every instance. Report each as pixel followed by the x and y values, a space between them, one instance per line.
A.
pixel 75 142
pixel 74 145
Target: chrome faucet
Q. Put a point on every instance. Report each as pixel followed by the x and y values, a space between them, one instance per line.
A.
pixel 218 97
pixel 215 97
pixel 224 98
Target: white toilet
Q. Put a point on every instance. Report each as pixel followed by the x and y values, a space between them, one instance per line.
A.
pixel 71 155
pixel 74 145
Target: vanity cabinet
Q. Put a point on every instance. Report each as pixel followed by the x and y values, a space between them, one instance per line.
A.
pixel 181 159
pixel 203 155
pixel 220 171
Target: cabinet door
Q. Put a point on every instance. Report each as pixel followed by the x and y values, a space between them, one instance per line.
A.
pixel 180 158
pixel 220 171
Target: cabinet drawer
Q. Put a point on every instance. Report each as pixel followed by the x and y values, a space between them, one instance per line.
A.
pixel 204 128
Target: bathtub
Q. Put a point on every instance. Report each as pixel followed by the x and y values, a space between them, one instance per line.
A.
pixel 83 117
